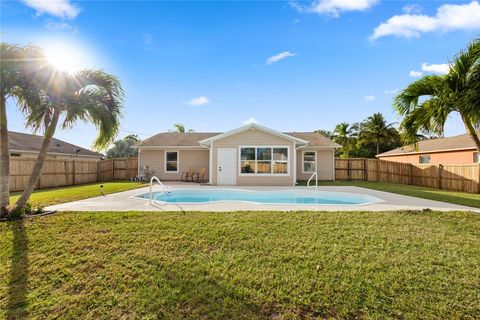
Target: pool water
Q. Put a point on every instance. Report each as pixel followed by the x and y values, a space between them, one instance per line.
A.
pixel 303 197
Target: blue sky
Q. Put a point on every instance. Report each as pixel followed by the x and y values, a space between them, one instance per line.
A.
pixel 291 66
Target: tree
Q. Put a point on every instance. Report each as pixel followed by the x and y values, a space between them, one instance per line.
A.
pixel 123 148
pixel 345 134
pixel 426 103
pixel 375 129
pixel 180 128
pixel 18 67
pixel 88 95
pixel 326 133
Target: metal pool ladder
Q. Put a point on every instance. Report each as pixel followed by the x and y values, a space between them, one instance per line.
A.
pixel 154 178
pixel 316 180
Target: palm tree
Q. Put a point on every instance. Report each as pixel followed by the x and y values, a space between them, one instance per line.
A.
pixel 18 67
pixel 344 134
pixel 90 96
pixel 376 129
pixel 427 102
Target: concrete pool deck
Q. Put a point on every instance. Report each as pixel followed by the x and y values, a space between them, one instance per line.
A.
pixel 125 201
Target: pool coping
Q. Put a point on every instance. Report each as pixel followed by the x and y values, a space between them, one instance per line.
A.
pixel 122 201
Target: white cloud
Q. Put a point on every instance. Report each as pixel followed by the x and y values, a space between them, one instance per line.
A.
pixel 59 8
pixel 250 121
pixel 200 101
pixel 280 56
pixel 412 9
pixel 58 26
pixel 369 98
pixel 448 17
pixel 147 38
pixel 436 68
pixel 334 8
pixel 392 91
pixel 415 74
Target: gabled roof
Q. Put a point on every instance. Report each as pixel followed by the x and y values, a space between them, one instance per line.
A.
pixel 23 142
pixel 460 142
pixel 193 139
pixel 253 126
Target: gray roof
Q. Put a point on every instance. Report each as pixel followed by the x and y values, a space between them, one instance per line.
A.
pixel 191 139
pixel 463 141
pixel 32 143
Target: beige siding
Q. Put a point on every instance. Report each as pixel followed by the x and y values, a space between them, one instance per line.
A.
pixel 325 163
pixel 155 159
pixel 254 138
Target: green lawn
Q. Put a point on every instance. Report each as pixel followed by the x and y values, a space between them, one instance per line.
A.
pixel 47 197
pixel 461 198
pixel 249 265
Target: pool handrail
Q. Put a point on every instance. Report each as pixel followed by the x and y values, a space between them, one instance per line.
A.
pixel 316 180
pixel 152 179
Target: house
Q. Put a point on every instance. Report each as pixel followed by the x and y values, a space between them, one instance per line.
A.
pixel 250 155
pixel 458 149
pixel 23 145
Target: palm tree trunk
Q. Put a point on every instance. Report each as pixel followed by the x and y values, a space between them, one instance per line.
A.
pixel 472 132
pixel 38 167
pixel 378 146
pixel 4 158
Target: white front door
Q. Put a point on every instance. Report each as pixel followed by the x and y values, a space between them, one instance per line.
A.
pixel 226 160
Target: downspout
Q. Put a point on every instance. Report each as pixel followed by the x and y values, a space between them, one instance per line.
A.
pixel 209 162
pixel 295 165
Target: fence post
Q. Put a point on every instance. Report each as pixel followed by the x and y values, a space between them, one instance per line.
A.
pixel 349 173
pixel 365 170
pixel 440 176
pixel 378 170
pixel 98 170
pixel 113 169
pixel 74 171
pixel 410 175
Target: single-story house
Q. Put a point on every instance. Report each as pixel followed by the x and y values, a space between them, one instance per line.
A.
pixel 24 146
pixel 459 149
pixel 249 155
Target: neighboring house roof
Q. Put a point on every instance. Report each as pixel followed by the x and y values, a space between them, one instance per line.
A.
pixel 193 139
pixel 23 142
pixel 460 142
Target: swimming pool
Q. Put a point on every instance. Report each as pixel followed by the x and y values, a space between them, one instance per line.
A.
pixel 293 196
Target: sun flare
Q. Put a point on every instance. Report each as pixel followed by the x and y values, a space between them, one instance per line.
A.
pixel 67 56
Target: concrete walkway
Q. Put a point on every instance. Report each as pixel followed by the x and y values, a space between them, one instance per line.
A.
pixel 125 201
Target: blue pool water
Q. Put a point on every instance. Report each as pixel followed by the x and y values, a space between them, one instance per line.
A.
pixel 312 197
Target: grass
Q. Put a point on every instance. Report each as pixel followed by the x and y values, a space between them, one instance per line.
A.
pixel 241 265
pixel 48 197
pixel 461 198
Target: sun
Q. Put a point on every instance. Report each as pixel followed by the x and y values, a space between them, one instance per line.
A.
pixel 68 57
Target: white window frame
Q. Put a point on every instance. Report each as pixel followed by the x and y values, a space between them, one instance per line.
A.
pixel 165 161
pixel 255 174
pixel 303 161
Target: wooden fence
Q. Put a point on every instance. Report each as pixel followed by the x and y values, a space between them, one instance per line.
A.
pixel 57 173
pixel 454 177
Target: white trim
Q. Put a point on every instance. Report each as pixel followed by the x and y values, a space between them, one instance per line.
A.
pixel 303 161
pixel 317 147
pixel 210 164
pixel 169 147
pixel 253 126
pixel 58 154
pixel 234 164
pixel 423 152
pixel 263 174
pixel 165 161
pixel 138 164
pixel 334 171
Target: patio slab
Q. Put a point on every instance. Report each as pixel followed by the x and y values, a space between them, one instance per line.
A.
pixel 125 201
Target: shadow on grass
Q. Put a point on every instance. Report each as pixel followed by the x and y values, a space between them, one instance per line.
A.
pixel 18 285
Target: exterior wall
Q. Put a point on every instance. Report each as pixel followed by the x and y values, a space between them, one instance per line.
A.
pixel 325 164
pixel 455 157
pixel 187 159
pixel 254 138
pixel 22 155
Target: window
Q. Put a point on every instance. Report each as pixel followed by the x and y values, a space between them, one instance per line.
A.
pixel 424 159
pixel 14 154
pixel 476 158
pixel 309 161
pixel 263 160
pixel 171 161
